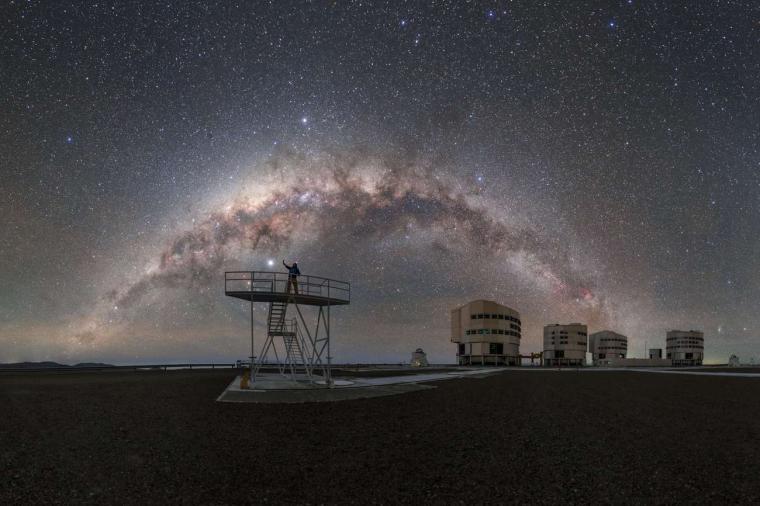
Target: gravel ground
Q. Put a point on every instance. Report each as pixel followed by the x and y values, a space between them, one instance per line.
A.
pixel 382 373
pixel 742 369
pixel 528 437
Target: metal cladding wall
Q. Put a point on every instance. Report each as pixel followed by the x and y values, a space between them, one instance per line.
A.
pixel 606 345
pixel 685 347
pixel 486 333
pixel 565 344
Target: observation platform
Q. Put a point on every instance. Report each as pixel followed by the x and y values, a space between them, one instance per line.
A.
pixel 267 286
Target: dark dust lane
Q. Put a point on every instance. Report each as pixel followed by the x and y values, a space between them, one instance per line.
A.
pixel 537 437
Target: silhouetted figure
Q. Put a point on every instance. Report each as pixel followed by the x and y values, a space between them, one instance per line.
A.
pixel 293 274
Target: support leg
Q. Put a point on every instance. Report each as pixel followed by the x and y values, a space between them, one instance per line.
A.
pixel 329 357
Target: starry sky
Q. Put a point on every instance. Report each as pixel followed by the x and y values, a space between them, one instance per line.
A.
pixel 577 161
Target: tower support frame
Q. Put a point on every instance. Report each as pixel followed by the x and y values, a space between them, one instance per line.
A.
pixel 305 347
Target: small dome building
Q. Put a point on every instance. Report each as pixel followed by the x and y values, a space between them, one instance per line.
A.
pixel 419 358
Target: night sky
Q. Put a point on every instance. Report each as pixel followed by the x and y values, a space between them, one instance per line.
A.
pixel 577 161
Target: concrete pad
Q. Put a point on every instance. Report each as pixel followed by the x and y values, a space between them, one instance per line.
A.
pixel 321 394
pixel 276 388
pixel 418 378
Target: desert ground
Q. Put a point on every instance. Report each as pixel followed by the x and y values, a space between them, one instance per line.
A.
pixel 539 437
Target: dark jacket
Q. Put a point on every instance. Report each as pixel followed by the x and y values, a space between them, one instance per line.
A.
pixel 292 269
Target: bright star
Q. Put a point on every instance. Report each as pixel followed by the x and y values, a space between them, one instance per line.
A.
pixel 270 262
pixel 304 120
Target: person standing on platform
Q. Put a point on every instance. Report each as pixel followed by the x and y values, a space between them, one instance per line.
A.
pixel 293 274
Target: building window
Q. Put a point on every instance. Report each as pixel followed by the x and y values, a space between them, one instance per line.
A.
pixel 461 349
pixel 496 348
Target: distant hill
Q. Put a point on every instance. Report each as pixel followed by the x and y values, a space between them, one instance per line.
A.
pixel 50 365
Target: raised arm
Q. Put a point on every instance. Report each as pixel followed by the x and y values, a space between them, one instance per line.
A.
pixel 286 265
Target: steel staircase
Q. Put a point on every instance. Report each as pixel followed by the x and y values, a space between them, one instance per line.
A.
pixel 297 357
pixel 294 356
pixel 276 318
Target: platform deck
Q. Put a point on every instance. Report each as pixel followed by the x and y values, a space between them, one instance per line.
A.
pixel 301 299
pixel 265 286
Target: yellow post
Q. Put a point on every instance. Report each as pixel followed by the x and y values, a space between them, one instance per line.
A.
pixel 245 378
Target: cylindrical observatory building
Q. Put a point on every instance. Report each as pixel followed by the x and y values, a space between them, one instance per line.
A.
pixel 565 344
pixel 685 347
pixel 606 345
pixel 486 333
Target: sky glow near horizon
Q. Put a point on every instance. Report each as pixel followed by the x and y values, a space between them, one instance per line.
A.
pixel 594 162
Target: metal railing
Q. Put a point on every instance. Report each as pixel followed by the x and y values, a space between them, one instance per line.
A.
pixel 277 282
